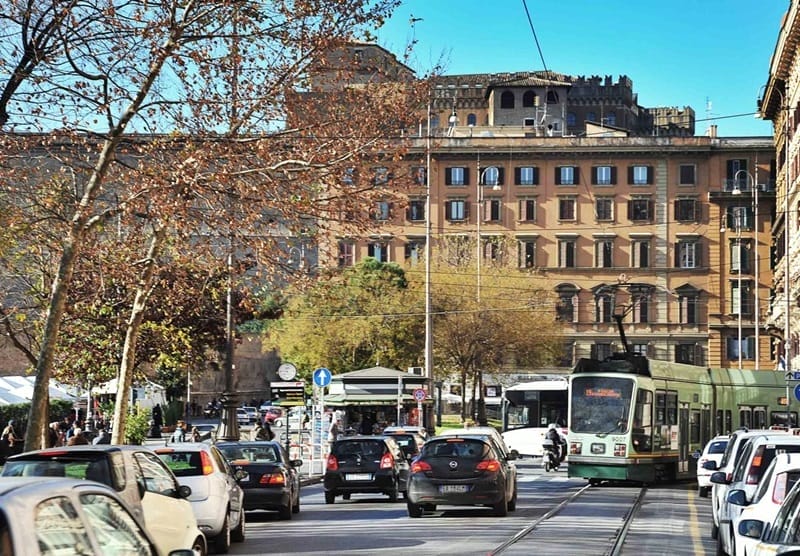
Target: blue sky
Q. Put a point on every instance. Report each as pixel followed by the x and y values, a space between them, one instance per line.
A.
pixel 678 53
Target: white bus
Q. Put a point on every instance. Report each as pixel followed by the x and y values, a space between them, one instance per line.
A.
pixel 529 407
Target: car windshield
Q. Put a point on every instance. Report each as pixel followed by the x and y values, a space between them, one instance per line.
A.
pixel 85 468
pixel 458 447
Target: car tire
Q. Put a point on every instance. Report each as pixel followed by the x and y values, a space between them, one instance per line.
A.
pixel 501 508
pixel 702 492
pixel 512 504
pixel 414 510
pixel 278 423
pixel 346 496
pixel 330 497
pixel 237 535
pixel 393 493
pixel 285 513
pixel 429 507
pixel 720 549
pixel 296 505
pixel 222 542
pixel 714 531
pixel 199 547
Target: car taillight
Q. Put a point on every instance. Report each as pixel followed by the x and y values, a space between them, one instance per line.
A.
pixel 420 467
pixel 333 463
pixel 205 462
pixel 276 478
pixel 490 465
pixel 387 461
pixel 753 474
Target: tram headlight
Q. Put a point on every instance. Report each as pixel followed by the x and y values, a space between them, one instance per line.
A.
pixel 575 447
pixel 620 450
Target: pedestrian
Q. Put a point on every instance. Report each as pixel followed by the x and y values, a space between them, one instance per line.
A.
pixel 195 436
pixel 180 432
pixel 54 435
pixel 102 437
pixel 9 441
pixel 77 438
pixel 333 429
pixel 258 432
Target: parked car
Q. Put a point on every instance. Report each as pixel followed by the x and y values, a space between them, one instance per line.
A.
pixel 462 470
pixel 266 474
pixel 757 453
pixel 42 513
pixel 779 478
pixel 242 417
pixel 779 537
pixel 410 442
pixel 252 413
pixel 138 476
pixel 217 499
pixel 270 413
pixel 365 464
pixel 713 451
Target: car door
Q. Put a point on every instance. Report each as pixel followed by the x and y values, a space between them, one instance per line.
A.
pixel 168 517
pixel 235 493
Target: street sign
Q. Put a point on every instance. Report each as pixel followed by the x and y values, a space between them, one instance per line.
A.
pixel 289 393
pixel 419 394
pixel 322 377
pixel 796 375
pixel 797 392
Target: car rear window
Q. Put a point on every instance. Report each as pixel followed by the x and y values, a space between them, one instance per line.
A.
pixel 364 447
pixel 405 441
pixel 250 454
pixel 85 468
pixel 460 447
pixel 717 447
pixel 183 464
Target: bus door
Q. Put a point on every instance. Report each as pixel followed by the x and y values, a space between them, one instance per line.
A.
pixel 683 438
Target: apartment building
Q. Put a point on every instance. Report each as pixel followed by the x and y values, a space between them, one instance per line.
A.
pixel 672 232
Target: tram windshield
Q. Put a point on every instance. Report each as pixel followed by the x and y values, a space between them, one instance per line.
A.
pixel 600 404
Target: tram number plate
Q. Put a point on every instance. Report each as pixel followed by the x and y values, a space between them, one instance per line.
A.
pixel 444 489
pixel 358 476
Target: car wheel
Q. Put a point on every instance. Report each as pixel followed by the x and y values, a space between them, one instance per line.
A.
pixel 330 497
pixel 720 549
pixel 512 504
pixel 346 496
pixel 501 508
pixel 222 542
pixel 278 423
pixel 285 512
pixel 414 510
pixel 393 493
pixel 237 535
pixel 296 505
pixel 714 531
pixel 702 492
pixel 429 507
pixel 199 547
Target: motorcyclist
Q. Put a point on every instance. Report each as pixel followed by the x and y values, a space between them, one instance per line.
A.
pixel 555 437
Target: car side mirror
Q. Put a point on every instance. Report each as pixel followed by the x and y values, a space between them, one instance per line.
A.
pixel 513 454
pixel 696 454
pixel 240 474
pixel 751 528
pixel 296 463
pixel 710 465
pixel 737 497
pixel 184 491
pixel 719 477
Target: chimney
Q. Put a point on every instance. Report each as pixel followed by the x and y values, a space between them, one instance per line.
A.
pixel 712 131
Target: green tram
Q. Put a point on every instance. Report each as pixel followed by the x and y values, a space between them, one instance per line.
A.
pixel 637 419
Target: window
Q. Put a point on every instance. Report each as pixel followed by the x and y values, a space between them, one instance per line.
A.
pixel 349 177
pixel 58 528
pixel 125 537
pixel 748 347
pixel 641 308
pixel 567 304
pixel 572 119
pixel 566 208
pixel 416 210
pixel 740 260
pixel 419 175
pixel 686 174
pixel 347 251
pixel 493 250
pixel 527 209
pixel 378 250
pixel 566 253
pixel 472 119
pixel 640 349
pixel 527 253
pixel 382 176
pixel 687 353
pixel 382 211
pixel 458 175
pixel 603 253
pixel 740 300
pixel 415 251
pixel 591 116
pixel 492 210
pixel 567 175
pixel 734 181
pixel 507 100
pixel 601 350
pixel 640 253
pixel 688 304
pixel 610 119
pixel 604 175
pixel 640 209
pixel 640 175
pixel 687 254
pixel 739 217
pixel 529 99
pixel 492 176
pixel 686 210
pixel 604 208
pixel 456 210
pixel 526 175
pixel 603 308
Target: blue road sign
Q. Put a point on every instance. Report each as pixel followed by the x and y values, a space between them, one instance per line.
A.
pixel 797 392
pixel 322 377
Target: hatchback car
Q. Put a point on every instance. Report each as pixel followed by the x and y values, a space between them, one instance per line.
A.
pixel 242 417
pixel 365 464
pixel 713 451
pixel 779 537
pixel 778 480
pixel 459 471
pixel 217 499
pixel 270 480
pixel 70 516
pixel 410 442
pixel 140 478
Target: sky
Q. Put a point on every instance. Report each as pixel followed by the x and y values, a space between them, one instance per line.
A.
pixel 711 55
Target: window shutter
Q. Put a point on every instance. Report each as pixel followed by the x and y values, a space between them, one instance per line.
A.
pixel 523 213
pixel 408 213
pixel 500 176
pixel 630 175
pixel 448 205
pixel 593 351
pixel 371 250
pixel 517 175
pixel 466 210
pixel 448 176
pixel 575 308
pixel 696 209
pixel 613 175
pixel 577 171
pixel 558 176
pixel 630 210
pixel 594 175
pixel 535 176
pixel 698 255
pixel 486 210
pixel 408 250
pixel 676 207
pixel 390 211
pixel 466 176
pixel 650 175
pixel 678 246
pixel 650 210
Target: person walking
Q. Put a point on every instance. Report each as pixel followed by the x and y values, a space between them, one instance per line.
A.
pixel 180 432
pixel 9 441
pixel 77 438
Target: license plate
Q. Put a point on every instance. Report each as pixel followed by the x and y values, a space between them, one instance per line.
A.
pixel 358 476
pixel 444 489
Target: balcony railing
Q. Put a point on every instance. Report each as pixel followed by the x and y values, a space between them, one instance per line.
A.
pixel 745 185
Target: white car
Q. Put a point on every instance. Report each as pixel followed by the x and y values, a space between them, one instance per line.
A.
pixel 217 499
pixel 778 480
pixel 713 451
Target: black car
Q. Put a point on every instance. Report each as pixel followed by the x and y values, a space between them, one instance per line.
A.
pixel 271 482
pixel 410 442
pixel 365 464
pixel 459 471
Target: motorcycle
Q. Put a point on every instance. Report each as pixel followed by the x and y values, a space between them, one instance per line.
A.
pixel 550 458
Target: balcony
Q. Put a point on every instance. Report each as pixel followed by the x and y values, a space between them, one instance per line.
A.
pixel 734 189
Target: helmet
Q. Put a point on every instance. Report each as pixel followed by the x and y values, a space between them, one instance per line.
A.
pixel 551 426
pixel 12 422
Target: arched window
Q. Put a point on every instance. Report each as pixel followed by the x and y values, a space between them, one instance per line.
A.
pixel 528 99
pixel 552 97
pixel 472 119
pixel 507 99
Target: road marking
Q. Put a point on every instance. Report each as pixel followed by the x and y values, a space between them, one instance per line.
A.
pixel 694 529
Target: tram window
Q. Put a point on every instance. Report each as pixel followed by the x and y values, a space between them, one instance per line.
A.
pixel 705 424
pixel 760 417
pixel 661 407
pixel 672 408
pixel 745 417
pixel 694 427
pixel 641 432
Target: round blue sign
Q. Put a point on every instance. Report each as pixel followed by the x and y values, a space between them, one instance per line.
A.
pixel 322 377
pixel 797 392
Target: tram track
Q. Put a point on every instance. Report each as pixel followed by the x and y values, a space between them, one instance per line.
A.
pixel 616 527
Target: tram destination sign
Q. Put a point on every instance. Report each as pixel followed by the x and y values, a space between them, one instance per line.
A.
pixel 289 393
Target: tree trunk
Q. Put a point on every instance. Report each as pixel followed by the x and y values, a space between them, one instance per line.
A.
pixel 131 337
